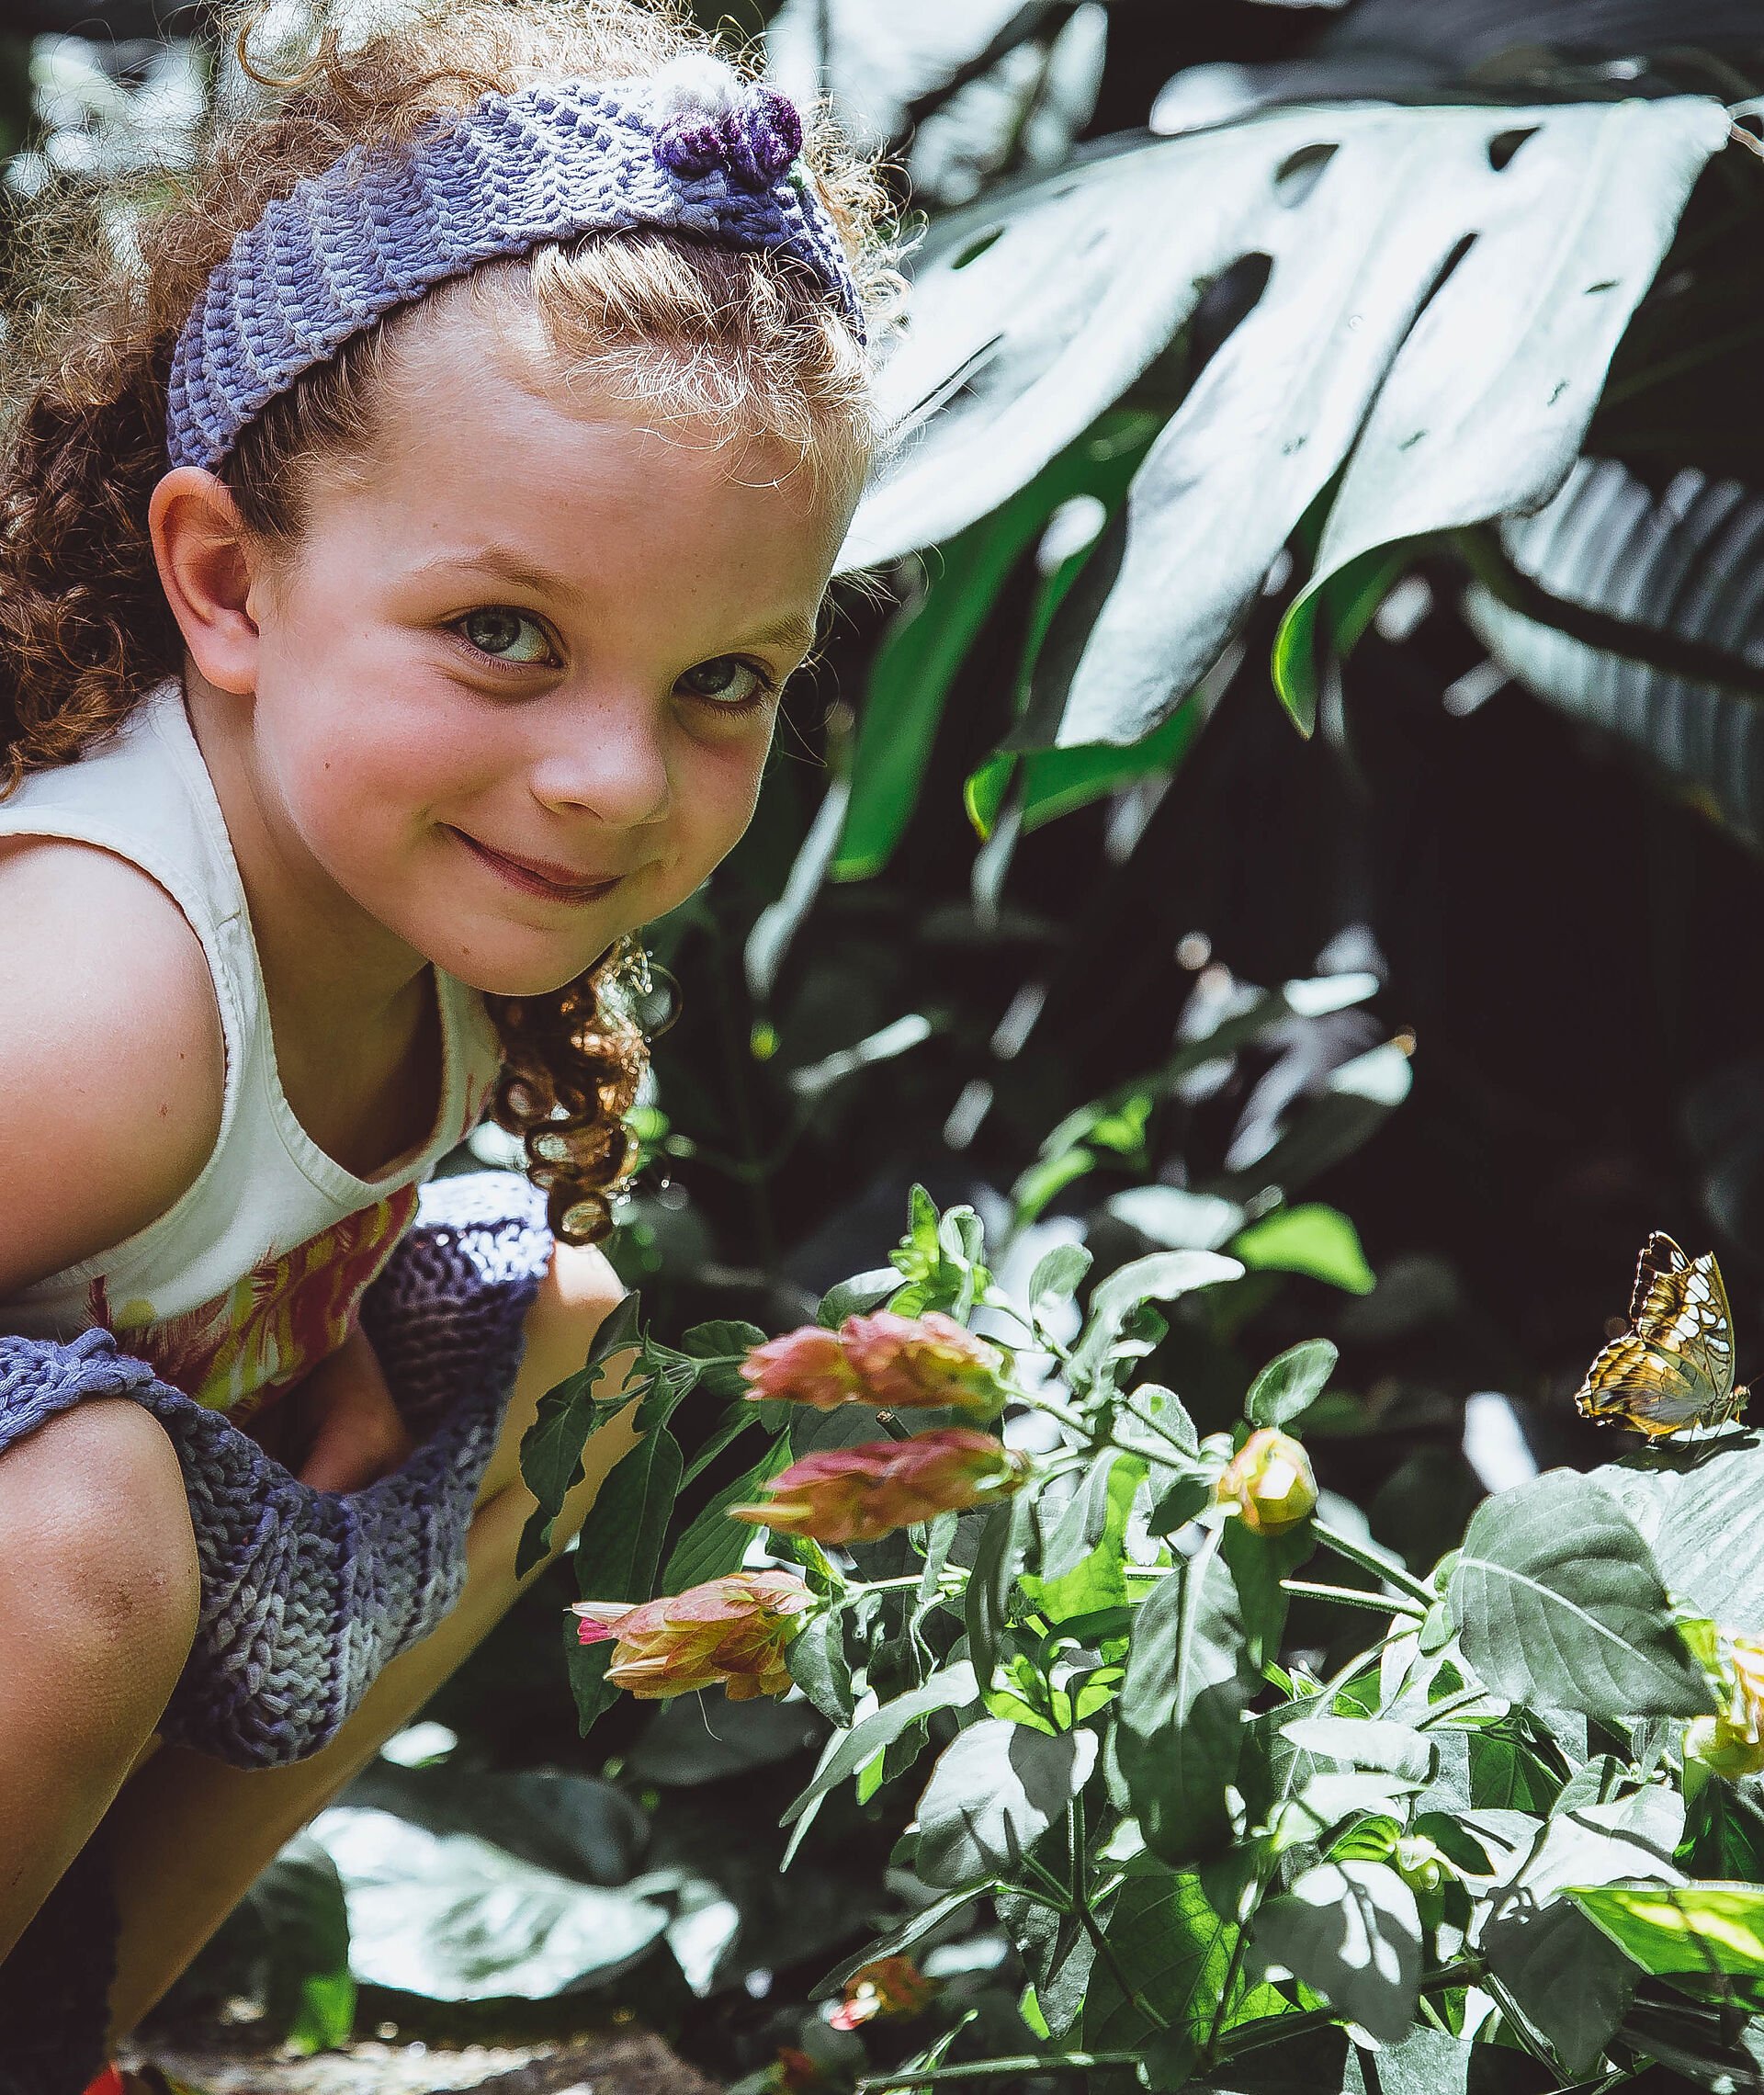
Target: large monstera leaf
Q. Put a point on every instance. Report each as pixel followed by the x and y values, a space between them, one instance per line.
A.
pixel 1445 287
pixel 1685 568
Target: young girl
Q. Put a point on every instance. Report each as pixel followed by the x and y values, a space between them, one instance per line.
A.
pixel 411 515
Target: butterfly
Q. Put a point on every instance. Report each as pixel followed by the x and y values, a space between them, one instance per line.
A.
pixel 1674 1366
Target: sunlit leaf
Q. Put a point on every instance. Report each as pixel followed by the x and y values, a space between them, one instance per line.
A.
pixel 1351 1932
pixel 1179 1731
pixel 997 1787
pixel 1310 1238
pixel 1558 1604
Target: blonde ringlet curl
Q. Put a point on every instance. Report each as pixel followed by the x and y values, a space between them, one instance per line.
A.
pixel 749 347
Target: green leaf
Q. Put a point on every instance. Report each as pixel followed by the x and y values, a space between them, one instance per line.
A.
pixel 1428 2062
pixel 722 1347
pixel 713 1545
pixel 1678 1499
pixel 1557 1602
pixel 1634 1837
pixel 1365 1742
pixel 1289 1383
pixel 996 1560
pixel 926 1921
pixel 1059 1275
pixel 926 645
pixel 1352 1932
pixel 996 1788
pixel 952 1688
pixel 1161 1276
pixel 1179 1732
pixel 325 2019
pixel 618 1559
pixel 1574 1986
pixel 563 1422
pixel 1726 1833
pixel 816 1657
pixel 1507 1775
pixel 1310 1238
pixel 1045 1178
pixel 296 1909
pixel 1682 1931
pixel 454 1918
pixel 1259 1562
pixel 734 1423
pixel 856 1297
pixel 1083 1566
pixel 1174 1952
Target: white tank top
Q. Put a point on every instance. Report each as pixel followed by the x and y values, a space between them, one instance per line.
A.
pixel 256 1275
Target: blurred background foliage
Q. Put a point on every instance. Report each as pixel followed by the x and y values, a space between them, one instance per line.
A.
pixel 1038 846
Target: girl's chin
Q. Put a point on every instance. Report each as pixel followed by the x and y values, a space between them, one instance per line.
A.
pixel 496 970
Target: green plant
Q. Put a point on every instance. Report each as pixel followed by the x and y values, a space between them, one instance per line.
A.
pixel 1523 1814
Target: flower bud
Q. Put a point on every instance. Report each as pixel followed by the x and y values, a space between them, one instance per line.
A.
pixel 859 1494
pixel 908 1364
pixel 1270 1481
pixel 1724 1747
pixel 729 1633
pixel 806 1366
pixel 1419 1864
pixel 892 1989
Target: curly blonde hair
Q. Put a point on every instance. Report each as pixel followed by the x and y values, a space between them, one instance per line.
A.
pixel 747 343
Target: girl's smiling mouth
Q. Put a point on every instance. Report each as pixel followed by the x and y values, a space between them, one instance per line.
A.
pixel 539 875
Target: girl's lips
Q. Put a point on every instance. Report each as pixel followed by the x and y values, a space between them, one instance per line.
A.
pixel 554 883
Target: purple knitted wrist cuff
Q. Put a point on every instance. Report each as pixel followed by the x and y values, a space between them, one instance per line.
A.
pixel 693 149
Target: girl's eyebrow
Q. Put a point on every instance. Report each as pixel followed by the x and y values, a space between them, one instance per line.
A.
pixel 789 630
pixel 502 561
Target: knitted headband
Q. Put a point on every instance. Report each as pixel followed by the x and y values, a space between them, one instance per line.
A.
pixel 694 149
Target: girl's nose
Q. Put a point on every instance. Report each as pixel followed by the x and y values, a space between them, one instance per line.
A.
pixel 609 760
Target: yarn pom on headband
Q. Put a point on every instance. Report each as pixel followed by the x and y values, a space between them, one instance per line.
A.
pixel 694 149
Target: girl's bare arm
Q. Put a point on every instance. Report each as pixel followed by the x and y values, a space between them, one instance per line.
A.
pixel 112 1062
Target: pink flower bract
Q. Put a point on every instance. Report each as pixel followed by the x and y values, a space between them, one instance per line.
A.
pixel 859 1494
pixel 919 1363
pixel 729 1633
pixel 806 1366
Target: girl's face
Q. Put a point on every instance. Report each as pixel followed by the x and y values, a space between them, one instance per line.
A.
pixel 516 686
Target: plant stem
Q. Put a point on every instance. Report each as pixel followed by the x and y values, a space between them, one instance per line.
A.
pixel 1075 1840
pixel 1356 1597
pixel 1357 1554
pixel 1271 2030
pixel 1449 1706
pixel 985 2068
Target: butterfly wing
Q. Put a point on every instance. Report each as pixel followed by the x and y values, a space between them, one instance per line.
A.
pixel 1635 1383
pixel 1674 1366
pixel 1659 1272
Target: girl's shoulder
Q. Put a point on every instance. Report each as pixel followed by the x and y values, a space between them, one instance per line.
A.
pixel 112 1059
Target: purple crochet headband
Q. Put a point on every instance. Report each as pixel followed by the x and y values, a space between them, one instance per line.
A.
pixel 695 150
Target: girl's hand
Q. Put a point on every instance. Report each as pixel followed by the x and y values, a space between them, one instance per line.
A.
pixel 339 1430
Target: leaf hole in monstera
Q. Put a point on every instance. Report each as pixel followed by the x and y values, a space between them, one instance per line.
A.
pixel 1300 172
pixel 977 246
pixel 1226 303
pixel 1505 144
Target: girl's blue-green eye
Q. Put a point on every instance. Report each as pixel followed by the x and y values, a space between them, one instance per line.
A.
pixel 728 682
pixel 508 634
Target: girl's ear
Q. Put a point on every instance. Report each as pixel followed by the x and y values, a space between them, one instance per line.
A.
pixel 207 570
